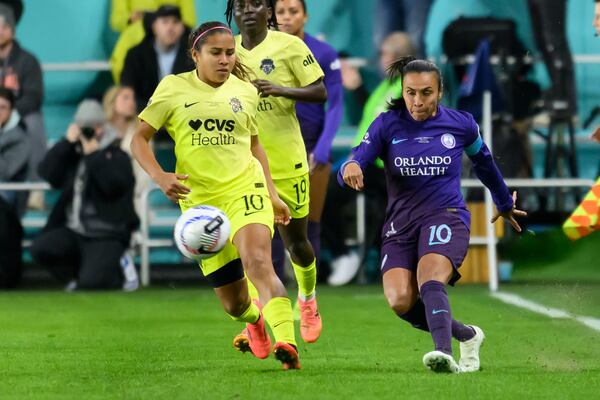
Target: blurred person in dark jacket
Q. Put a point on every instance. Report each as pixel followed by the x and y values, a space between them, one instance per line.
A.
pixel 89 229
pixel 20 71
pixel 162 52
pixel 15 149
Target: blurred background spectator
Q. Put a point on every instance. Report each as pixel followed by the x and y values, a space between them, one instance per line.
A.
pixel 90 227
pixel 163 51
pixel 20 71
pixel 127 17
pixel 121 115
pixel 402 15
pixel 15 150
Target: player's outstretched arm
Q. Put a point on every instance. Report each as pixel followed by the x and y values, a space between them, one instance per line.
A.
pixel 280 209
pixel 168 182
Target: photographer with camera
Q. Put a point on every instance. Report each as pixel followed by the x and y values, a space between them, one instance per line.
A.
pixel 90 226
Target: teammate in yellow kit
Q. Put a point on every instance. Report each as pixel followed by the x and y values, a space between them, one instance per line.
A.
pixel 210 113
pixel 286 71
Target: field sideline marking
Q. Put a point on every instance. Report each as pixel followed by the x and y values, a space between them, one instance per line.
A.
pixel 516 300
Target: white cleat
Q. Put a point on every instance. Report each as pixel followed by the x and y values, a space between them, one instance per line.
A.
pixel 438 361
pixel 344 269
pixel 469 351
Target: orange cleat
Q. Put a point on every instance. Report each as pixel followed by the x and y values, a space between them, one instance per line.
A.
pixel 287 354
pixel 310 320
pixel 254 338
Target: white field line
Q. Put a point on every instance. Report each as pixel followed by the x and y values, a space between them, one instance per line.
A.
pixel 516 300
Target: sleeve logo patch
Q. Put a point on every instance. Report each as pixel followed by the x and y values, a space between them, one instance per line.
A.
pixel 335 65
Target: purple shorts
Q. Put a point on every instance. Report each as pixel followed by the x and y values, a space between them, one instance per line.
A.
pixel 442 232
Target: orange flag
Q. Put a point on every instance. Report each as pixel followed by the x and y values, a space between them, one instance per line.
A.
pixel 585 219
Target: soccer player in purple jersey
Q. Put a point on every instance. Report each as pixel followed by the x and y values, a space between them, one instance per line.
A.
pixel 426 232
pixel 317 123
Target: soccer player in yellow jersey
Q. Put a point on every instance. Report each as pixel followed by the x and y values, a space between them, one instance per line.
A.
pixel 210 113
pixel 286 71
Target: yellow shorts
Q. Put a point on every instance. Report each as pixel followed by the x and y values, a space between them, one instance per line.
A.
pixel 295 192
pixel 252 208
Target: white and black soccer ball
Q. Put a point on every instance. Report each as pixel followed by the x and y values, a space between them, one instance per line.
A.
pixel 201 232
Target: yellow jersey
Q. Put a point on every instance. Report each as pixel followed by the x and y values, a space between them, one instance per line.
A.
pixel 212 129
pixel 286 61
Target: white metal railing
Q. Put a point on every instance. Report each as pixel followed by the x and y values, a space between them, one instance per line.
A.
pixel 24 186
pixel 76 66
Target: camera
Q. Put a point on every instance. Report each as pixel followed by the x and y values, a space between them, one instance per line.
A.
pixel 88 132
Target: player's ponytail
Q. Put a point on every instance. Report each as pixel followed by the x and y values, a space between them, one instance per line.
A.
pixel 199 36
pixel 398 70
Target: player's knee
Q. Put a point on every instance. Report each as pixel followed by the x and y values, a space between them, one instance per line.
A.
pixel 301 250
pixel 400 301
pixel 257 262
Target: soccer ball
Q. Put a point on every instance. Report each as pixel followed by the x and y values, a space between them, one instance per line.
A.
pixel 201 232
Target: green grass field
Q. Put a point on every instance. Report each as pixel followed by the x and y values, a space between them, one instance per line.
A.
pixel 176 344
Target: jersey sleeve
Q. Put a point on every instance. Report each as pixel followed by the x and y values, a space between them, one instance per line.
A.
pixel 485 168
pixel 303 63
pixel 473 140
pixel 369 149
pixel 158 108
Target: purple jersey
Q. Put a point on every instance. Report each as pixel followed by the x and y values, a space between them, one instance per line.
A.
pixel 423 162
pixel 319 126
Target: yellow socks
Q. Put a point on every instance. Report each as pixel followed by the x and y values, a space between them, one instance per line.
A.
pixel 251 315
pixel 252 289
pixel 278 314
pixel 307 279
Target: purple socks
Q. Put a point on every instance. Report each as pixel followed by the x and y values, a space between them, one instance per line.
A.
pixel 416 317
pixel 437 312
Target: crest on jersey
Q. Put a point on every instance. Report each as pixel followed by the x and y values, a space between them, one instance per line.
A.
pixel 267 66
pixel 236 104
pixel 448 140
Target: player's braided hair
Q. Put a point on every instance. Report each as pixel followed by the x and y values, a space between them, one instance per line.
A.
pixel 239 69
pixel 399 68
pixel 272 23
